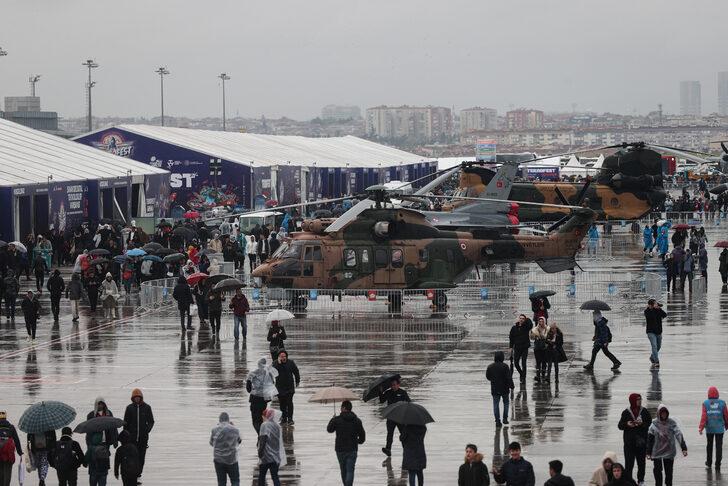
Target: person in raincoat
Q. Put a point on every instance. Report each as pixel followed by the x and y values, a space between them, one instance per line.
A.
pixel 271 453
pixel 713 420
pixel 109 294
pixel 662 436
pixel 663 240
pixel 261 385
pixel 414 458
pixel 647 239
pixel 723 267
pixel 225 440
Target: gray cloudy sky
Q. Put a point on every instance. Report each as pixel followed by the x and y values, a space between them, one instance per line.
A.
pixel 291 57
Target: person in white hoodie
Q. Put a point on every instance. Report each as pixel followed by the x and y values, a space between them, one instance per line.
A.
pixel 603 474
pixel 662 436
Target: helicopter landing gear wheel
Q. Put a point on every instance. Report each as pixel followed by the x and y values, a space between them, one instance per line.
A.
pixel 395 303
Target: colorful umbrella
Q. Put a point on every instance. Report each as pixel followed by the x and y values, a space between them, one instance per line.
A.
pixel 721 244
pixel 681 226
pixel 136 252
pixel 191 215
pixel 44 416
pixel 195 278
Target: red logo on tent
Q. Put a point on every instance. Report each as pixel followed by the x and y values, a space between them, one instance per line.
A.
pixel 372 294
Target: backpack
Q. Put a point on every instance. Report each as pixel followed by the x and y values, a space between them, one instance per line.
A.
pixel 63 457
pixel 39 441
pixel 130 464
pixel 7 446
pixel 101 453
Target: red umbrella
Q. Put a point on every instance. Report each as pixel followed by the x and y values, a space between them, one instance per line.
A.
pixel 721 244
pixel 191 215
pixel 195 278
pixel 681 226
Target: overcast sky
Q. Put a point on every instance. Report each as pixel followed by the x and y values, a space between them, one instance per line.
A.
pixel 291 57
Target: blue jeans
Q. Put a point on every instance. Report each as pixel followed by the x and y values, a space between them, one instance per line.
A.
pixel 263 470
pixel 347 461
pixel 242 321
pixel 225 470
pixel 97 479
pixel 656 343
pixel 496 406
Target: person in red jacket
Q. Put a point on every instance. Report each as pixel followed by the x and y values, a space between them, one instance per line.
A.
pixel 713 420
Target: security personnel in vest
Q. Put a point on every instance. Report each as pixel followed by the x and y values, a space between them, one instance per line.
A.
pixel 713 420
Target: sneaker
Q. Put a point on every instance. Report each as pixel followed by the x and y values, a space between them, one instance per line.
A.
pixel 616 366
pixel 498 424
pixel 291 422
pixel 387 452
pixel 505 421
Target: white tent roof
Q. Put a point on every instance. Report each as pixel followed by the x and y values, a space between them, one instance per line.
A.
pixel 29 156
pixel 268 150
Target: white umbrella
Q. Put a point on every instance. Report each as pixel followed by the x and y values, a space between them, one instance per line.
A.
pixel 21 247
pixel 279 315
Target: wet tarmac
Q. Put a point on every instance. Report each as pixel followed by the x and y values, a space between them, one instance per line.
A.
pixel 189 380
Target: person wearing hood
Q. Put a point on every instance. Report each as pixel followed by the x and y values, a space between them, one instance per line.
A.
pixel 662 436
pixel 56 286
pixel 473 472
pixel 713 420
pixel 271 453
pixel 602 338
pixel 183 295
pixel 260 384
pixel 139 422
pixel 620 476
pixel 603 474
pixel 538 334
pixel 516 471
pixel 349 435
pixel 127 461
pixel 414 457
pixel 109 436
pixel 67 457
pixel 109 294
pixel 556 478
pixel 74 291
pixel 9 445
pixel 11 294
pixel 647 239
pixel 225 439
pixel 519 342
pixel 635 422
pixel 501 384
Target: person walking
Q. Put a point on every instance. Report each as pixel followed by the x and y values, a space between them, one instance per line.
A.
pixel 634 423
pixel 97 458
pixel 473 472
pixel 214 301
pixel 240 306
pixel 41 447
pixel 287 381
pixel 554 351
pixel 271 453
pixel 74 291
pixel 92 287
pixel 556 478
pixel 392 395
pixel 603 473
pixel 109 296
pixel 127 460
pixel 183 295
pixel 349 436
pixel 67 457
pixel 200 293
pixel 414 458
pixel 276 337
pixel 225 439
pixel 688 269
pixel 671 271
pixel 703 261
pixel 9 446
pixel 39 270
pixel 661 438
pixel 653 320
pixel 647 239
pixel 139 422
pixel 539 334
pixel 602 338
pixel 260 384
pixel 723 266
pixel 620 476
pixel 713 420
pixel 31 311
pixel 516 471
pixel 501 384
pixel 12 288
pixel 519 342
pixel 55 287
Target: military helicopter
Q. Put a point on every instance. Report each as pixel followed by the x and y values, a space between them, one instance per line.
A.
pixel 627 186
pixel 385 247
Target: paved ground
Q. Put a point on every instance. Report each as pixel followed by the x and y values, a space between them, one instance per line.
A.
pixel 190 381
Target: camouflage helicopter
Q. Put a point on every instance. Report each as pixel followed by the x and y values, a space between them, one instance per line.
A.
pixel 627 186
pixel 385 247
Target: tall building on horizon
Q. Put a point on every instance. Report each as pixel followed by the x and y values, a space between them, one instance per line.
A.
pixel 723 93
pixel 417 123
pixel 690 103
pixel 478 119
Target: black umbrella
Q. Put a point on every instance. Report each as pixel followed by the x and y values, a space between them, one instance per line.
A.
pixel 165 251
pixel 372 390
pixel 99 424
pixel 152 247
pixel 407 413
pixel 99 252
pixel 719 189
pixel 99 261
pixel 541 293
pixel 175 257
pixel 185 233
pixel 229 284
pixel 595 305
pixel 215 279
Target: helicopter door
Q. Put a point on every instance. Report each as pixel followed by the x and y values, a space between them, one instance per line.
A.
pixel 381 266
pixel 312 258
pixel 396 264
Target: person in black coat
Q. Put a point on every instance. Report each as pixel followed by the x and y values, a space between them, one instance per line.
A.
pixel 473 472
pixel 139 422
pixel 127 461
pixel 183 295
pixel 519 342
pixel 39 270
pixel 56 286
pixel 31 309
pixel 653 326
pixel 392 395
pixel 66 458
pixel 635 423
pixel 349 435
pixel 621 478
pixel 11 289
pixel 214 309
pixel 516 471
pixel 557 479
pixel 501 384
pixel 554 351
pixel 414 458
pixel 276 337
pixel 287 381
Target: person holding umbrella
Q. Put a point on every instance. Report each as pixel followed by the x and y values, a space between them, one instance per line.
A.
pixel 110 436
pixel 349 435
pixel 602 338
pixel 9 445
pixel 392 395
pixel 414 457
pixel 276 337
pixel 540 306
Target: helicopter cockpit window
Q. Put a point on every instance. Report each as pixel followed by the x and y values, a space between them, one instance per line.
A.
pixel 381 257
pixel 397 258
pixel 289 250
pixel 350 258
pixel 317 254
pixel 365 255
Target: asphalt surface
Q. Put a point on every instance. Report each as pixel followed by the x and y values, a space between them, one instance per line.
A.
pixel 188 380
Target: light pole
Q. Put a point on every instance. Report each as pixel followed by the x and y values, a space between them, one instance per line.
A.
pixel 90 64
pixel 34 78
pixel 162 71
pixel 224 78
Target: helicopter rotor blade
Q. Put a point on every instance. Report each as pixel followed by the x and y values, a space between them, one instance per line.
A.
pixel 561 196
pixel 725 149
pixel 520 203
pixel 558 224
pixel 288 206
pixel 582 193
pixel 350 215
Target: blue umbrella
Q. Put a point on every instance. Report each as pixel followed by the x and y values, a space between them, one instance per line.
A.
pixel 153 258
pixel 120 259
pixel 44 416
pixel 136 252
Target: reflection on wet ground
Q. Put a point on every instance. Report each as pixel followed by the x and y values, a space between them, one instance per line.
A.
pixel 189 380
